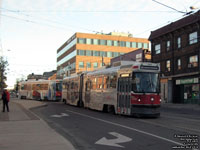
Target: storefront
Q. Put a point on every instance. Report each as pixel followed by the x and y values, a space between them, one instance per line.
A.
pixel 186 91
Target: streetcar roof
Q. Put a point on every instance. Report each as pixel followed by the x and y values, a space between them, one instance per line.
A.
pixel 39 81
pixel 105 71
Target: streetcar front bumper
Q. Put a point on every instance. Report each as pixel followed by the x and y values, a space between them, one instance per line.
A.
pixel 145 110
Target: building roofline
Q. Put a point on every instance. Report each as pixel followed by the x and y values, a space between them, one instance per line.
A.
pixel 175 25
pixel 79 33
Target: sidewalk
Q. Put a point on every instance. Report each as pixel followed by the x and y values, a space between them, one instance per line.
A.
pixel 195 108
pixel 20 129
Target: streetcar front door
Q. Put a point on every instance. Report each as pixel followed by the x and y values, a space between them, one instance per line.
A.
pixel 123 96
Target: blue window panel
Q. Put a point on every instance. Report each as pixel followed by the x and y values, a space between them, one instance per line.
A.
pixel 81 40
pixel 95 53
pixel 66 48
pixel 95 65
pixel 88 53
pixel 109 54
pixel 81 64
pixel 134 44
pixel 66 58
pixel 88 64
pixel 81 52
pixel 95 41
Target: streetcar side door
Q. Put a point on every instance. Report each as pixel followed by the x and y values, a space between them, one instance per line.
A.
pixel 80 103
pixel 123 95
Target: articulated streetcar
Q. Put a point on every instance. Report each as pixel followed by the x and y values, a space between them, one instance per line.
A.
pixel 41 90
pixel 127 89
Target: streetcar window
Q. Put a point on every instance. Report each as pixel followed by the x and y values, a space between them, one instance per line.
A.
pixel 107 82
pixel 67 86
pixel 35 87
pixel 88 85
pixel 64 86
pixel 22 87
pixel 44 86
pixel 58 87
pixel 99 83
pixel 113 81
pixel 94 83
pixel 144 82
pixel 75 86
pixel 72 85
pixel 104 83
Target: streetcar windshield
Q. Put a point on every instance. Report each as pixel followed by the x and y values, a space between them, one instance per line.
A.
pixel 145 82
pixel 59 86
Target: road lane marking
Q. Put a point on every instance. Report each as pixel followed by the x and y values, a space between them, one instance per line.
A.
pixel 61 115
pixel 126 127
pixel 114 142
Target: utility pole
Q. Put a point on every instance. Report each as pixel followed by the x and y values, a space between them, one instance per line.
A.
pixel 102 61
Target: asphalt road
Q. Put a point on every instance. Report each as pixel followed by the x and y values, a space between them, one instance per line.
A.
pixel 94 130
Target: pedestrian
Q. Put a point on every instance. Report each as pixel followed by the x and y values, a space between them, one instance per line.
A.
pixel 5 98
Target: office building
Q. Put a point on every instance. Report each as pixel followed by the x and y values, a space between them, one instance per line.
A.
pixel 86 52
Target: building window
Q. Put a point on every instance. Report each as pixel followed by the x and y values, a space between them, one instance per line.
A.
pixel 109 54
pixel 179 64
pixel 122 44
pixel 168 45
pixel 88 64
pixel 81 64
pixel 157 49
pixel 81 40
pixel 115 43
pixel 102 42
pixel 88 41
pixel 128 44
pixel 95 53
pixel 179 42
pixel 134 44
pixel 81 52
pixel 193 61
pixel 193 38
pixel 115 54
pixel 95 41
pixel 109 42
pixel 102 54
pixel 95 65
pixel 88 53
pixel 168 66
pixel 139 45
pixel 145 45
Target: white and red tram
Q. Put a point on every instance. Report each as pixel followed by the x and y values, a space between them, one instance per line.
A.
pixel 127 89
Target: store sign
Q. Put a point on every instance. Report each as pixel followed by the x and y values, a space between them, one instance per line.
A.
pixel 187 81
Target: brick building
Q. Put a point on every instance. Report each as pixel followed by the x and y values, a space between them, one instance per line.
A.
pixel 141 55
pixel 176 47
pixel 86 52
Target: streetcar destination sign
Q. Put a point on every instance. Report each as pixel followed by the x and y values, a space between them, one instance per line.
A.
pixel 149 67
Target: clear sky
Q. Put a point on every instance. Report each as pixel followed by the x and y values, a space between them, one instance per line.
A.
pixel 31 31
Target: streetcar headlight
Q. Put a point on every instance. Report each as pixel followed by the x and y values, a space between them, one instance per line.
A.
pixel 160 100
pixel 139 100
pixel 152 99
